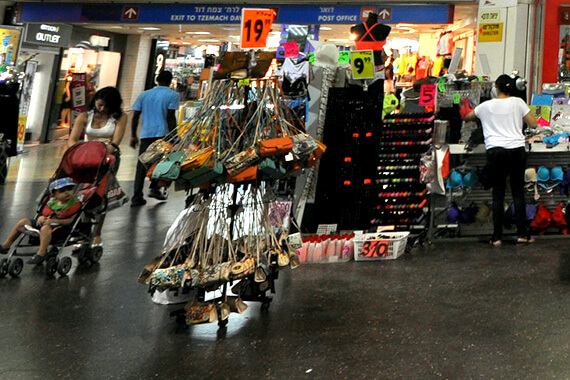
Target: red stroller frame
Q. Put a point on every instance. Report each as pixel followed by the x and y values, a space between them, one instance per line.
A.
pixel 89 165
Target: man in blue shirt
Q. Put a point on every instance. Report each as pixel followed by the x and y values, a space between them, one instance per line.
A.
pixel 158 107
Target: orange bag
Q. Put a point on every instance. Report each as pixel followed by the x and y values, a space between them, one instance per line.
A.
pixel 276 146
pixel 248 174
pixel 150 170
pixel 196 159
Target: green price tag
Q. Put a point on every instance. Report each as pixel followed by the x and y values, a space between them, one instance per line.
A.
pixel 344 57
pixel 243 82
pixel 456 98
pixel 312 58
pixel 441 85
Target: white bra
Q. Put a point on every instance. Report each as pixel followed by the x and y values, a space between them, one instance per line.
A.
pixel 106 131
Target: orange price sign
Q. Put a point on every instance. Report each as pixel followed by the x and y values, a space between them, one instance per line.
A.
pixel 255 27
pixel 375 248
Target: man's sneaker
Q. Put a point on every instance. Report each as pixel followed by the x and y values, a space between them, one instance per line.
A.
pixel 161 195
pixel 36 260
pixel 138 202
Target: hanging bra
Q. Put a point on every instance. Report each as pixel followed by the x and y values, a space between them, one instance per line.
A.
pixel 106 131
pixel 369 45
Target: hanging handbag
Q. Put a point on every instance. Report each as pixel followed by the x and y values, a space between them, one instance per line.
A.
pixel 242 268
pixel 169 169
pixel 249 174
pixel 275 147
pixel 303 146
pixel 270 169
pixel 210 170
pixel 196 159
pixel 154 151
pixel 168 278
pixel 241 161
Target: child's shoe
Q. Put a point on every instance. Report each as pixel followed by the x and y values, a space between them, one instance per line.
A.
pixel 36 260
pixel 3 250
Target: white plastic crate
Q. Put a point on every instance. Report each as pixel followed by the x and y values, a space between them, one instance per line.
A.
pixel 387 245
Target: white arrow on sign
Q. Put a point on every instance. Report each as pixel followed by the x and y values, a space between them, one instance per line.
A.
pixel 131 13
pixel 385 14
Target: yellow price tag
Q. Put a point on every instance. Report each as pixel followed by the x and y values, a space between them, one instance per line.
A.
pixel 362 64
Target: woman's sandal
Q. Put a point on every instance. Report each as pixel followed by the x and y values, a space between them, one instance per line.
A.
pixel 524 241
pixel 496 243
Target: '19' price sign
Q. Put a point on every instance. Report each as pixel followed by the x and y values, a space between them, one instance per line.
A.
pixel 255 27
pixel 362 64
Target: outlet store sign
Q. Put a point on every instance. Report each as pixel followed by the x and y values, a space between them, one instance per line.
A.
pixel 48 34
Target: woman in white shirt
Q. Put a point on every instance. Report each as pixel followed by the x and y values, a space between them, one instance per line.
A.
pixel 502 120
pixel 104 121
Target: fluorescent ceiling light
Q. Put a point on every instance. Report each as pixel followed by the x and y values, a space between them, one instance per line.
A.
pixel 208 40
pixel 198 33
pixel 230 28
pixel 186 43
pixel 339 40
pixel 233 36
pixel 325 28
pixel 149 28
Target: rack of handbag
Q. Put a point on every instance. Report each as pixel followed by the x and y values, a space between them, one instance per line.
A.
pixel 242 133
pixel 233 233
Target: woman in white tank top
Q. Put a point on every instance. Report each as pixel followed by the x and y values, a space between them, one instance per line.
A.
pixel 104 121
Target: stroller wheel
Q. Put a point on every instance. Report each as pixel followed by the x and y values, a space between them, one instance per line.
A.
pixel 64 266
pixel 96 253
pixel 51 266
pixel 15 267
pixel 3 268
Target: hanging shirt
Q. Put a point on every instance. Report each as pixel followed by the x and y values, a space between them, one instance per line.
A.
pixel 295 71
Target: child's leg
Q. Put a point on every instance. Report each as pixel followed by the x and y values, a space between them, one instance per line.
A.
pixel 45 239
pixel 18 228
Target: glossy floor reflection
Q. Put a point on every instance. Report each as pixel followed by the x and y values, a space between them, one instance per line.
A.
pixel 455 310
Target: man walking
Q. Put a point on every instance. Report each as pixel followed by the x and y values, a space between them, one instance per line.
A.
pixel 158 107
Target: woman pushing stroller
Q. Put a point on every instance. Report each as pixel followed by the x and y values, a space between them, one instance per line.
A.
pixel 56 218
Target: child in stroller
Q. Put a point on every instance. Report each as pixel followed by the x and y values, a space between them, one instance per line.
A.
pixel 86 164
pixel 56 218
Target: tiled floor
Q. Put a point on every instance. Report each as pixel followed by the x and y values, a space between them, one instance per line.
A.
pixel 454 310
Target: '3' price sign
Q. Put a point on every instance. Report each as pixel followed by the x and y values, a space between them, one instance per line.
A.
pixel 255 27
pixel 362 64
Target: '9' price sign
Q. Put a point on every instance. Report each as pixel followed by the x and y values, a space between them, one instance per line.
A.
pixel 255 27
pixel 362 64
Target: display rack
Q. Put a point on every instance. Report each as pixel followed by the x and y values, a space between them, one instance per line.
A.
pixel 402 199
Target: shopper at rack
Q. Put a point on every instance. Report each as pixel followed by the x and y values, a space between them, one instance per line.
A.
pixel 502 120
pixel 158 108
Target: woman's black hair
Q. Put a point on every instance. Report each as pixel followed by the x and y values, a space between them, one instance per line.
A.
pixel 505 84
pixel 112 98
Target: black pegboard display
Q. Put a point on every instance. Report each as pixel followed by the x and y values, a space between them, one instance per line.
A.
pixel 347 170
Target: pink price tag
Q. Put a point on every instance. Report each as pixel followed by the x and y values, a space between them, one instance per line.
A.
pixel 427 95
pixel 291 49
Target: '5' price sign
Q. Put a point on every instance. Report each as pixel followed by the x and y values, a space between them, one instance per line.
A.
pixel 255 27
pixel 362 64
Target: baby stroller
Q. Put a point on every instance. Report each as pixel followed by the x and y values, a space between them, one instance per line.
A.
pixel 89 165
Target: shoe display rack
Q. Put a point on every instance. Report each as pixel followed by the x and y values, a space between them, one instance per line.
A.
pixel 401 199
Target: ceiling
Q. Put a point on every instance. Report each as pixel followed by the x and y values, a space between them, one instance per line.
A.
pixel 464 20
